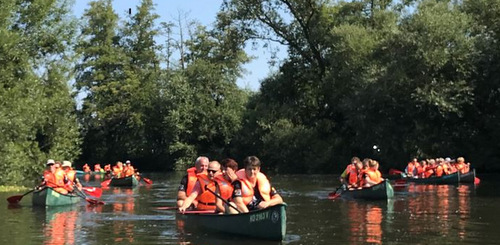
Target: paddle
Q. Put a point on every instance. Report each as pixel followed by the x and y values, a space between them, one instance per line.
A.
pixel 92 191
pixel 224 200
pixel 16 199
pixel 89 200
pixel 336 193
pixel 393 171
pixel 199 212
pixel 106 183
pixel 147 181
pixel 476 181
pixel 167 208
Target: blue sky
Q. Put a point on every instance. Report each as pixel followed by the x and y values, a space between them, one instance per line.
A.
pixel 204 11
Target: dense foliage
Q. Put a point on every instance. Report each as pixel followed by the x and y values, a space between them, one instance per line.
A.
pixel 415 78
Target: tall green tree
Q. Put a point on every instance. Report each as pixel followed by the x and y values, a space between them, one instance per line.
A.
pixel 37 111
pixel 107 83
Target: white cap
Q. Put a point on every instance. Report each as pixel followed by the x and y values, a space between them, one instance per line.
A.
pixel 50 161
pixel 127 162
pixel 66 164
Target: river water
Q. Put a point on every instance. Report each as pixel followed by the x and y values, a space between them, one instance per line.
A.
pixel 418 214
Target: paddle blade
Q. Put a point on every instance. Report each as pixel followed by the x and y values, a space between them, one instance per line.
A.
pixel 105 183
pixel 400 181
pixel 166 208
pixel 477 181
pixel 148 181
pixel 14 199
pixel 93 191
pixel 334 196
pixel 199 212
pixel 393 171
pixel 94 201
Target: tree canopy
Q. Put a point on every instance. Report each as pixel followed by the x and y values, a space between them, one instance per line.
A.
pixel 385 79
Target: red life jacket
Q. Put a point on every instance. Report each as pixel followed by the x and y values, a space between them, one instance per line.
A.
pixel 191 180
pixel 352 173
pixel 206 199
pixel 225 187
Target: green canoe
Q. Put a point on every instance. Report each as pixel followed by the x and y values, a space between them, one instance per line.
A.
pixel 268 224
pixel 49 197
pixel 381 191
pixel 468 177
pixel 127 181
pixel 451 179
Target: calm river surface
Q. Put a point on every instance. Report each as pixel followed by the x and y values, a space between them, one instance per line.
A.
pixel 419 214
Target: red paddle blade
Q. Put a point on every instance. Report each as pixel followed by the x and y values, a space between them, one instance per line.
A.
pixel 200 212
pixel 93 191
pixel 14 199
pixel 393 171
pixel 334 196
pixel 94 201
pixel 148 181
pixel 477 181
pixel 166 208
pixel 400 181
pixel 105 183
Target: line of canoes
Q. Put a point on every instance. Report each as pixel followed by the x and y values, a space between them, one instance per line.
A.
pixel 385 190
pixel 269 223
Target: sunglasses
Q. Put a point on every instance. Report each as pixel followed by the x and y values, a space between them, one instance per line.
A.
pixel 212 171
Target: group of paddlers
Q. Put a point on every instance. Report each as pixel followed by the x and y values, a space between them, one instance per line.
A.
pixel 361 174
pixel 60 176
pixel 436 167
pixel 223 187
pixel 119 170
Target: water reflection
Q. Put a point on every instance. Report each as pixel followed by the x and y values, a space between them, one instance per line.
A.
pixel 60 224
pixel 123 230
pixel 364 222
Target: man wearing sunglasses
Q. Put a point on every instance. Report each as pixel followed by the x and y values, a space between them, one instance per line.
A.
pixel 205 199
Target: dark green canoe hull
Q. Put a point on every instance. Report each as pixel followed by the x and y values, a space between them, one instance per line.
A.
pixel 381 191
pixel 468 177
pixel 47 197
pixel 267 224
pixel 451 179
pixel 130 181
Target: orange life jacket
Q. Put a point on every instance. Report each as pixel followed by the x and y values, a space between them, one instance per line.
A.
pixel 410 168
pixel 225 187
pixel 439 171
pixel 97 167
pixel 49 178
pixel 373 175
pixel 429 171
pixel 128 171
pixel 71 175
pixel 247 187
pixel 462 168
pixel 352 173
pixel 191 180
pixel 206 199
pixel 86 168
pixel 107 167
pixel 117 171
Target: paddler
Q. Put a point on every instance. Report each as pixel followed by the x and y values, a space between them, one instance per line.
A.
pixel 201 190
pixel 253 190
pixel 189 180
pixel 71 175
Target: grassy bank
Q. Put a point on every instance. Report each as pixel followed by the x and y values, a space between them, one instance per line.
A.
pixel 8 188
